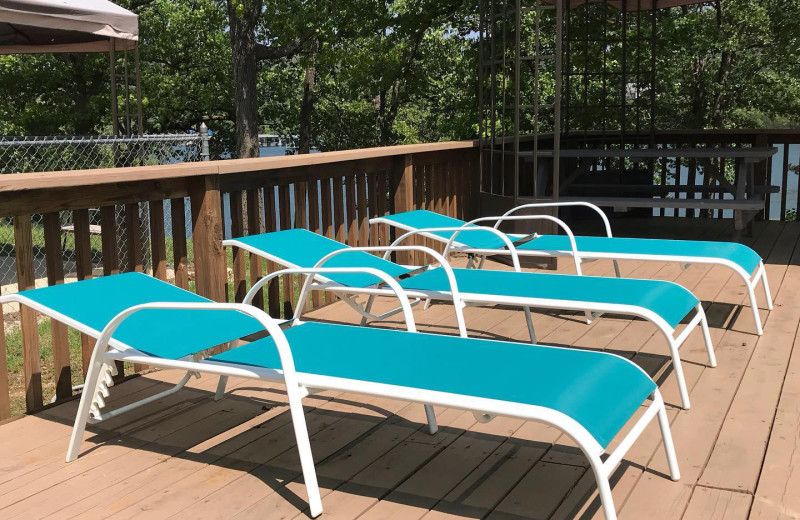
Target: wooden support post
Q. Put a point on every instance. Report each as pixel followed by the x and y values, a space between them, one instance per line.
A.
pixel 58 331
pixel 271 222
pixel 315 226
pixel 5 397
pixel 177 208
pixel 108 237
pixel 237 230
pixel 350 204
pixel 254 227
pixel 760 178
pixel 108 221
pixel 301 215
pixel 402 191
pixel 338 208
pixel 23 250
pixel 158 244
pixel 286 223
pixel 133 230
pixel 327 225
pixel 300 205
pixel 209 255
pixel 361 201
pixel 83 254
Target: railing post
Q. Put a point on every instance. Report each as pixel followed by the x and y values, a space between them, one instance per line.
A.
pixel 23 251
pixel 402 191
pixel 209 255
pixel 760 178
pixel 5 397
pixel 205 154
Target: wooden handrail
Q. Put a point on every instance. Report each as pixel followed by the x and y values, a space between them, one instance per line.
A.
pixel 74 178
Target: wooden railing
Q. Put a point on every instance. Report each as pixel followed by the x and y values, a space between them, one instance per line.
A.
pixel 170 221
pixel 331 193
pixel 778 171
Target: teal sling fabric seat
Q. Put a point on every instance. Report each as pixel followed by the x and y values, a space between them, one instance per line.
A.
pixel 599 391
pixel 738 254
pixel 665 304
pixel 590 396
pixel 171 334
pixel 735 253
pixel 303 248
pixel 744 262
pixel 669 301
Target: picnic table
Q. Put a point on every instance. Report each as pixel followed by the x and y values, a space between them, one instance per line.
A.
pixel 748 197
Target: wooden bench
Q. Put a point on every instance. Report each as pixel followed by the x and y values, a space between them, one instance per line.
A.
pixel 94 229
pixel 744 210
pixel 748 197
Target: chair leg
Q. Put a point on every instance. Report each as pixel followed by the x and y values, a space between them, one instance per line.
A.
pixel 603 487
pixel 306 457
pixel 529 321
pixel 669 447
pixel 616 269
pixel 765 286
pixel 367 309
pixel 712 358
pixel 430 415
pixel 84 408
pixel 677 366
pixel 754 306
pixel 220 393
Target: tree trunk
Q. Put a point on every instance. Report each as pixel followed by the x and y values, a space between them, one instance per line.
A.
pixel 243 16
pixel 717 110
pixel 388 116
pixel 307 104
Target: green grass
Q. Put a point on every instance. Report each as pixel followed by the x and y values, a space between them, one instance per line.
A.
pixel 14 358
pixel 37 237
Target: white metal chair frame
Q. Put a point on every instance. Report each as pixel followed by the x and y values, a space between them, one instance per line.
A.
pixel 750 279
pixel 674 342
pixel 299 385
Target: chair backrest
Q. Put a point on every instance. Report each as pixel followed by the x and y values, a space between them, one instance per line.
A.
pixel 422 219
pixel 303 248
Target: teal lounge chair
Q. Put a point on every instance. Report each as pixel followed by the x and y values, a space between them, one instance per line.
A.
pixel 664 304
pixel 590 396
pixel 741 259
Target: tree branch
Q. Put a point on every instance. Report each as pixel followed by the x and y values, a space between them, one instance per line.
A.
pixel 273 52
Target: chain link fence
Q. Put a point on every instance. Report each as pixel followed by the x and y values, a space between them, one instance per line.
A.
pixel 59 153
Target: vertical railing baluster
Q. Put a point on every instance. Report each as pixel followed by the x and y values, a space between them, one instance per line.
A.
pixel 177 208
pixel 54 257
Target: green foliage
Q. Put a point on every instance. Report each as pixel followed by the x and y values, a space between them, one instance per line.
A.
pixel 53 94
pixel 734 65
pixel 405 71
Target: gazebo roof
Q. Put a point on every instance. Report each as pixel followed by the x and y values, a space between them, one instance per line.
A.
pixel 40 26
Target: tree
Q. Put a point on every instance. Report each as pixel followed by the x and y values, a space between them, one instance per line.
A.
pixel 254 41
pixel 731 64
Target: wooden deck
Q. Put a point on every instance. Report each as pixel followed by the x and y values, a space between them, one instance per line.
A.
pixel 188 456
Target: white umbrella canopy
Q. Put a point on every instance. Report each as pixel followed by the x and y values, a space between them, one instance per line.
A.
pixel 44 26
